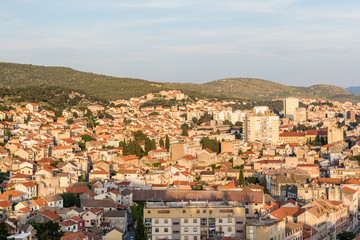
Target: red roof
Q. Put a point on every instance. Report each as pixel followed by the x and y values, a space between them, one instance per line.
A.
pixel 77 190
pixel 29 184
pixel 5 204
pixel 292 134
pixel 50 215
pixel 349 190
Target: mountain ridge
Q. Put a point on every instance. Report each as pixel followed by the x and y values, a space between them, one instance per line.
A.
pixel 112 88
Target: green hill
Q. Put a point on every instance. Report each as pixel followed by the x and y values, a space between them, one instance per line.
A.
pixel 14 75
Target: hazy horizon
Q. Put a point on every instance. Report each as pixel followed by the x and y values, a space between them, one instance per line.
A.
pixel 292 42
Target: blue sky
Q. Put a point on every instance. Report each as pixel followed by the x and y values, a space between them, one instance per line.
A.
pixel 287 41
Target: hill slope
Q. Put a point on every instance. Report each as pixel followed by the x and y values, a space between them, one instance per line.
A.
pixel 15 75
pixel 111 88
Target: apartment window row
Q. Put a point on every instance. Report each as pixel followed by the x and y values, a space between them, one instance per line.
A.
pixel 187 220
pixel 165 221
pixel 165 230
pixel 186 229
pixel 229 220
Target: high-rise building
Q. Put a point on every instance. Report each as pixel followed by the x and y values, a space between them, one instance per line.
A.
pixel 262 126
pixel 290 105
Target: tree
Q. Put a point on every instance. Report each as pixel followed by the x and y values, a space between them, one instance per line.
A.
pixel 81 178
pixel 8 134
pixel 227 122
pixel 4 231
pixel 135 213
pixel 138 150
pixel 195 121
pixel 184 133
pixel 238 124
pixel 70 121
pixel 252 180
pixel 241 178
pixel 167 143
pixel 264 184
pixel 70 200
pixel 87 138
pixel 131 148
pixel 140 232
pixel 161 142
pixel 48 231
pixel 346 236
pixel 113 173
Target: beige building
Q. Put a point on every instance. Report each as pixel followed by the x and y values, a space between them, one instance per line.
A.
pixel 265 229
pixel 290 105
pixel 335 135
pixel 194 220
pixel 262 127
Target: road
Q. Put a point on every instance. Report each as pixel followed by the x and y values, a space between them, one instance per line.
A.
pixel 129 234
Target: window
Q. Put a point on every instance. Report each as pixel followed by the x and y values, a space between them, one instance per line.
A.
pixel 220 220
pixel 195 237
pixel 197 211
pixel 195 220
pixel 186 229
pixel 156 220
pixel 229 229
pixel 204 211
pixel 210 211
pixel 165 229
pixel 195 229
pixel 157 230
pixel 186 238
pixel 247 211
pixel 166 220
pixel 184 211
pixel 149 211
pixel 229 220
pixel 176 232
pixel 239 222
pixel 186 220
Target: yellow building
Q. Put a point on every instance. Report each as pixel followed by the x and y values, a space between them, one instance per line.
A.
pixel 194 220
pixel 292 137
pixel 265 229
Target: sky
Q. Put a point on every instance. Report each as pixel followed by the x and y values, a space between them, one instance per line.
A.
pixel 292 42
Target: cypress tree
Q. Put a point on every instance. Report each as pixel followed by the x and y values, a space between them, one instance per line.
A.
pixel 161 142
pixel 241 178
pixel 167 143
pixel 264 184
pixel 131 148
pixel 137 150
pixel 140 232
pixel 147 145
pixel 153 144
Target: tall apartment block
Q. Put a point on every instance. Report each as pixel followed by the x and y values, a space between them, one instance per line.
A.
pixel 262 126
pixel 290 105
